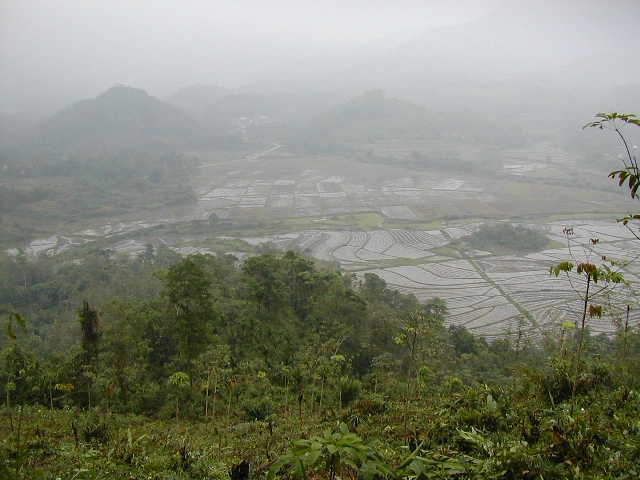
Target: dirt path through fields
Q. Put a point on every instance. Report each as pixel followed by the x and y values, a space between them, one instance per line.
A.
pixel 523 311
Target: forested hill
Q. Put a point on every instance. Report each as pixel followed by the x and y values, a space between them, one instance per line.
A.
pixel 375 116
pixel 121 117
pixel 202 367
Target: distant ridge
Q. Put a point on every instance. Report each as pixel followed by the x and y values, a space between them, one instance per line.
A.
pixel 371 115
pixel 120 117
pixel 374 116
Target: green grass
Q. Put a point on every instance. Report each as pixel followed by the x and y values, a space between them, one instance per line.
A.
pixel 361 221
pixel 435 224
pixel 446 251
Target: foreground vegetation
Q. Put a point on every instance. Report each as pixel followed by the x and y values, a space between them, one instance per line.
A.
pixel 225 364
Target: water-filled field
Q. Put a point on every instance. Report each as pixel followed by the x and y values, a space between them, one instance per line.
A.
pixel 490 294
pixel 407 226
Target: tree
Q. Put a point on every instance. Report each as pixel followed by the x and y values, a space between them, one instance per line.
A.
pixel 187 290
pixel 422 335
pixel 630 174
pixel 91 334
pixel 213 364
pixel 126 350
pixel 595 277
pixel 179 383
pixel 20 371
pixel 265 282
pixel 590 274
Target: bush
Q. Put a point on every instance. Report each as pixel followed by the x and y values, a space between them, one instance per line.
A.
pixel 508 238
pixel 371 405
pixel 557 383
pixel 350 388
pixel 257 408
pixel 95 429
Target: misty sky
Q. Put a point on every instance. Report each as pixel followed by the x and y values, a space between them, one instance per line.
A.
pixel 52 52
pixel 56 52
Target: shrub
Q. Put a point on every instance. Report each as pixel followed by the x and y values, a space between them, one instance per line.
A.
pixel 350 388
pixel 95 429
pixel 257 408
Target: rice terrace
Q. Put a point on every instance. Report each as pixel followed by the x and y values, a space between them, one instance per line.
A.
pixel 397 235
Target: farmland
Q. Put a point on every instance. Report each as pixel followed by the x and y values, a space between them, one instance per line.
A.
pixel 407 226
pixel 491 295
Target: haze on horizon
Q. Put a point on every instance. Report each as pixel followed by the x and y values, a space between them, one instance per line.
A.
pixel 52 54
pixel 56 53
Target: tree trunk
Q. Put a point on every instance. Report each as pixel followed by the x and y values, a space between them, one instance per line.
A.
pixel 584 319
pixel 300 400
pixel 286 395
pixel 213 399
pixel 580 343
pixel 625 347
pixel 206 396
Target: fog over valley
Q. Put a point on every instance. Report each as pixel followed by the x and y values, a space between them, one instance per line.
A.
pixel 239 237
pixel 301 121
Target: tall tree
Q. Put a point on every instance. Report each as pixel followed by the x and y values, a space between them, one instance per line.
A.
pixel 91 331
pixel 187 289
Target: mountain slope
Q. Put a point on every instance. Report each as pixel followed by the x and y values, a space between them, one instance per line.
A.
pixel 517 60
pixel 375 117
pixel 121 117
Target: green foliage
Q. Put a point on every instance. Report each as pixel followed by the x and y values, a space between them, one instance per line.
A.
pixel 250 358
pixel 179 381
pixel 257 408
pixel 95 429
pixel 19 321
pixel 631 171
pixel 334 454
pixel 504 237
pixel 187 288
pixel 561 267
pixel 604 119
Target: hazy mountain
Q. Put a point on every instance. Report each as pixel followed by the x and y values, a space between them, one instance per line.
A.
pixel 121 117
pixel 197 99
pixel 515 61
pixel 375 116
pixel 14 128
pixel 372 115
pixel 250 114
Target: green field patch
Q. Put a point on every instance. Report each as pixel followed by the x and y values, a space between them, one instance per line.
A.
pixel 435 224
pixel 447 251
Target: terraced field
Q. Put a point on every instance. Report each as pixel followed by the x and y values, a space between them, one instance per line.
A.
pixel 403 224
pixel 491 295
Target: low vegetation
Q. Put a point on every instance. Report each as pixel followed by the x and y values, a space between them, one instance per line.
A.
pixel 507 238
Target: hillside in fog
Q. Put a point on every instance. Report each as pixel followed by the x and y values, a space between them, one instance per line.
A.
pixel 119 118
